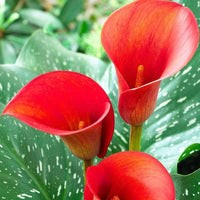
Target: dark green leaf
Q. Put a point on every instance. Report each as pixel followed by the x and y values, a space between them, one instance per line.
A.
pixel 84 27
pixel 11 3
pixel 189 160
pixel 34 4
pixel 189 150
pixel 188 186
pixel 70 10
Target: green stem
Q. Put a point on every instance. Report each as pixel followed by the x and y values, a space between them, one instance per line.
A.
pixel 86 164
pixel 135 138
pixel 13 17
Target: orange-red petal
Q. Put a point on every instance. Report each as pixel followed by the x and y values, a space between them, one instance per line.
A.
pixel 137 105
pixel 56 102
pixel 160 35
pixel 129 175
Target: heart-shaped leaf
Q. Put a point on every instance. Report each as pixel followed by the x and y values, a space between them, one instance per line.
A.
pixel 50 55
pixel 33 164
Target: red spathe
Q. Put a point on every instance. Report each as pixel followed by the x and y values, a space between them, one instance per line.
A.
pixel 70 105
pixel 160 35
pixel 127 176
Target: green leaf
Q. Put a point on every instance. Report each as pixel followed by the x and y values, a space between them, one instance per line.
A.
pixel 51 55
pixel 17 41
pixel 172 127
pixel 43 53
pixel 70 40
pixel 21 27
pixel 40 18
pixel 36 4
pixel 175 119
pixel 32 58
pixel 188 186
pixel 70 10
pixel 7 52
pixel 12 79
pixel 189 160
pixel 189 150
pixel 175 122
pixel 11 3
pixel 33 164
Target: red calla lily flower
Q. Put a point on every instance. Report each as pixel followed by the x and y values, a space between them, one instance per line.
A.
pixel 127 176
pixel 147 40
pixel 70 105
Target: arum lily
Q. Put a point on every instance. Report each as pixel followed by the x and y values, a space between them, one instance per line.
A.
pixel 69 105
pixel 127 176
pixel 147 40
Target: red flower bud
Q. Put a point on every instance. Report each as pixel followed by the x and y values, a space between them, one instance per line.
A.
pixel 127 176
pixel 70 105
pixel 161 36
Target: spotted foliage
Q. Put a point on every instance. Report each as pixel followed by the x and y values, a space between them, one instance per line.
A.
pixel 36 165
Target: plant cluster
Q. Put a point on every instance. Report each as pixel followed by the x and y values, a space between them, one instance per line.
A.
pixel 88 106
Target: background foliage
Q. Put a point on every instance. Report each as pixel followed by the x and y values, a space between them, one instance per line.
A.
pixel 41 36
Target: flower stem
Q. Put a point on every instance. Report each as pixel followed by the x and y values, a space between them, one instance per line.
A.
pixel 86 164
pixel 135 138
